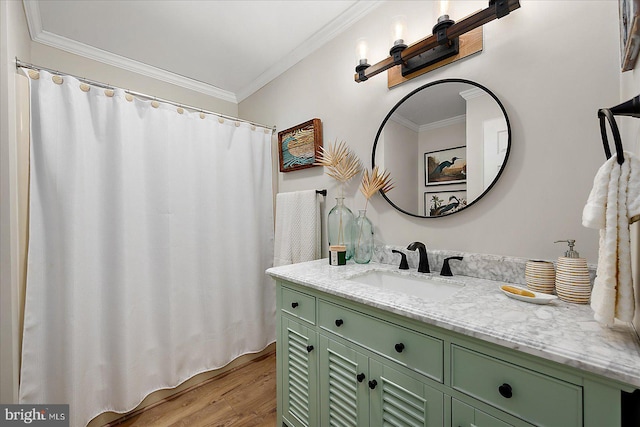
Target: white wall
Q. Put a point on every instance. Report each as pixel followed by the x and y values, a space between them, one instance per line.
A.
pixel 400 144
pixel 481 108
pixel 630 132
pixel 551 66
pixel 14 41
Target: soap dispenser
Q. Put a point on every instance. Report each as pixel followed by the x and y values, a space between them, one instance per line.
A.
pixel 572 276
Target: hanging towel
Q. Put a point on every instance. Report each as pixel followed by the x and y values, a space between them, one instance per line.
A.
pixel 613 202
pixel 297 235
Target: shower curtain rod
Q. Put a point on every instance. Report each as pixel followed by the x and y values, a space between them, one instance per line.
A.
pixel 20 64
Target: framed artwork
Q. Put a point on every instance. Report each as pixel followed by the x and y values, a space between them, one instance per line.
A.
pixel 299 145
pixel 629 32
pixel 447 166
pixel 440 203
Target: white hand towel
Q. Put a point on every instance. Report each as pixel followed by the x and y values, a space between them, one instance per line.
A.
pixel 613 201
pixel 297 234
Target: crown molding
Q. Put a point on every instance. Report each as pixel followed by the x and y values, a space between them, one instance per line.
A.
pixel 443 123
pixel 32 13
pixel 348 18
pixel 472 93
pixel 429 126
pixel 405 122
pixel 38 34
pixel 360 9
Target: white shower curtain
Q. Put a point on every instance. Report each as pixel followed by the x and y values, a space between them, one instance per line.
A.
pixel 150 232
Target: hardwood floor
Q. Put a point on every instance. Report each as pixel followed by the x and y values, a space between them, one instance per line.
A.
pixel 245 397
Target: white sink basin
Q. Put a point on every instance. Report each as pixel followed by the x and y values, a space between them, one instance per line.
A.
pixel 431 288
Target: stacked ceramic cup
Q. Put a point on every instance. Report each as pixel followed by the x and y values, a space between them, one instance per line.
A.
pixel 572 280
pixel 540 276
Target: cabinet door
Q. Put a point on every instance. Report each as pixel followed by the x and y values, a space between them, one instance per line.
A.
pixel 344 395
pixel 463 415
pixel 399 399
pixel 522 392
pixel 300 375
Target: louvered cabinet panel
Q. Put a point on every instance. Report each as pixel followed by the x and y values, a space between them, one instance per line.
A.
pixel 299 400
pixel 463 415
pixel 343 385
pixel 401 400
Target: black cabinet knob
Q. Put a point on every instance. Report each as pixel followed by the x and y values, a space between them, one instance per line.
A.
pixel 309 348
pixel 373 384
pixel 360 377
pixel 339 322
pixel 505 390
pixel 294 304
pixel 400 347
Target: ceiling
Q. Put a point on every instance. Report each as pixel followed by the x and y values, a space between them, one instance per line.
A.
pixel 227 49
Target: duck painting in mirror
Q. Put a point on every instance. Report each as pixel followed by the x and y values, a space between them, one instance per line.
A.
pixel 447 138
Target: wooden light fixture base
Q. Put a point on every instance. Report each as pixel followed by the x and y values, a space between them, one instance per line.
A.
pixel 470 43
pixel 497 9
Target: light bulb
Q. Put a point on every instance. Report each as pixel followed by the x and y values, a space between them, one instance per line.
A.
pixel 444 7
pixel 362 50
pixel 398 29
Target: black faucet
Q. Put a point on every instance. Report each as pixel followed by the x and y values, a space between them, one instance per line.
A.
pixel 403 261
pixel 446 269
pixel 423 266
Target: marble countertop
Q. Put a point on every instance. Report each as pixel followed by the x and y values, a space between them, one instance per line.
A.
pixel 562 332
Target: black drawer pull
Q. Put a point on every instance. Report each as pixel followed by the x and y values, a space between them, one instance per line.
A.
pixel 505 390
pixel 400 347
pixel 309 348
pixel 373 384
pixel 360 377
pixel 339 322
pixel 294 304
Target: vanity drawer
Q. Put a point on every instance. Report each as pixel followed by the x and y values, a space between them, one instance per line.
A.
pixel 527 394
pixel 299 305
pixel 422 353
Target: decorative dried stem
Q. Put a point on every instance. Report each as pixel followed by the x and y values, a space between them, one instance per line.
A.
pixel 379 180
pixel 340 162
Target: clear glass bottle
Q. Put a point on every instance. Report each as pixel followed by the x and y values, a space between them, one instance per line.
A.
pixel 340 225
pixel 362 238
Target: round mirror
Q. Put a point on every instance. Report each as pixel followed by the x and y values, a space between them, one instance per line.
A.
pixel 445 145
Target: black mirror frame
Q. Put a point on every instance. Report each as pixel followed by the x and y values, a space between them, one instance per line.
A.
pixel 506 157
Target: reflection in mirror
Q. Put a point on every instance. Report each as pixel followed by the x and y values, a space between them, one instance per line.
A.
pixel 445 145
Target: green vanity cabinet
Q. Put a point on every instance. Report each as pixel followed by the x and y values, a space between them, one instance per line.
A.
pixel 401 398
pixel 463 415
pixel 343 363
pixel 344 391
pixel 357 390
pixel 419 352
pixel 300 373
pixel 523 392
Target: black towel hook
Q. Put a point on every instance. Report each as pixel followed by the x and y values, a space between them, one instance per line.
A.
pixel 629 108
pixel 606 113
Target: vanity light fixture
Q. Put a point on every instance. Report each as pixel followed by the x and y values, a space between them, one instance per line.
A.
pixel 442 44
